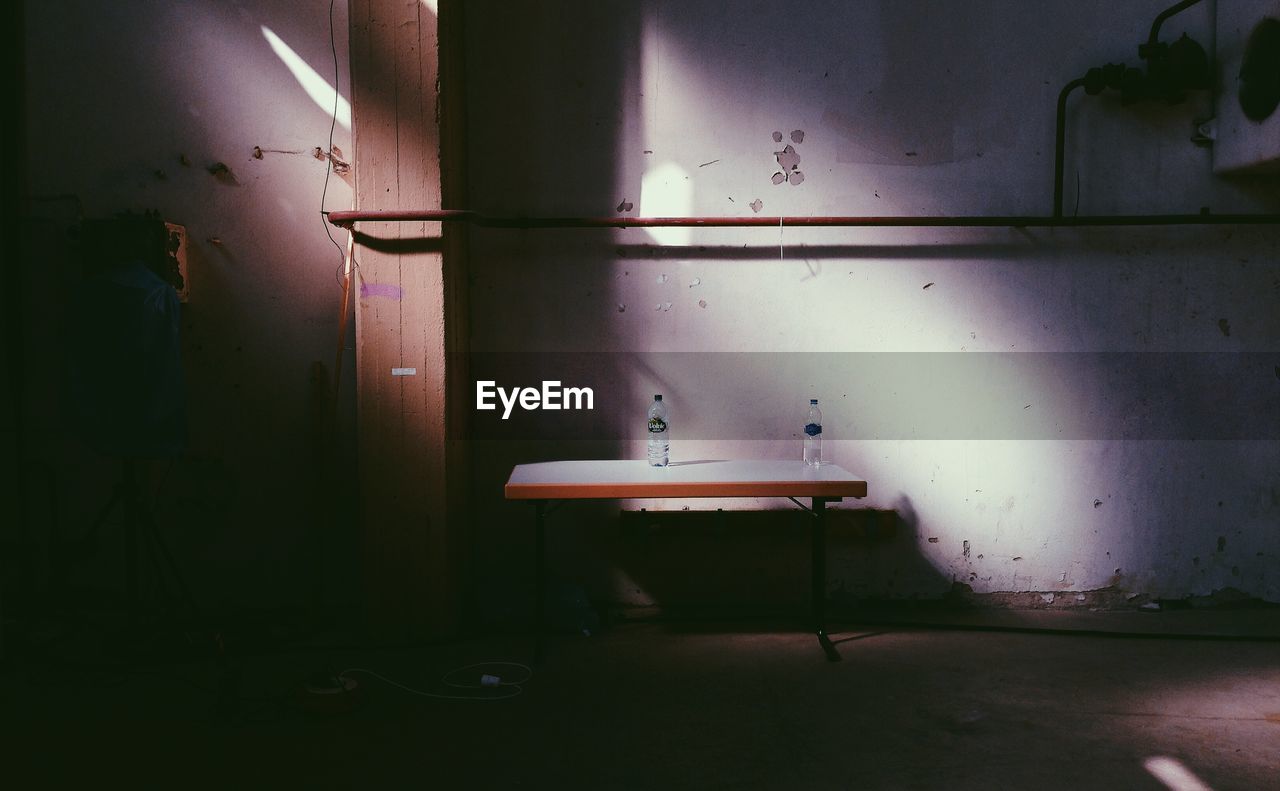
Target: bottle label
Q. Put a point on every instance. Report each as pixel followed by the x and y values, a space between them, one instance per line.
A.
pixel 813 429
pixel 657 425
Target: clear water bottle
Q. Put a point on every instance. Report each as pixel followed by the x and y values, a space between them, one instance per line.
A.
pixel 658 437
pixel 813 435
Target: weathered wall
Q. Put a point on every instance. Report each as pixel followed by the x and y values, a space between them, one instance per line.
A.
pixel 130 105
pixel 906 108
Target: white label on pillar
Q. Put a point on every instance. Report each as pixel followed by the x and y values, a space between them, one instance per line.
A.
pixel 404 371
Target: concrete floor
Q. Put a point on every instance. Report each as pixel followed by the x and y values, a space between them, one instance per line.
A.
pixel 695 706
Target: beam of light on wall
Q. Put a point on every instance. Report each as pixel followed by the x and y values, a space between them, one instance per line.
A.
pixel 991 494
pixel 1174 774
pixel 665 191
pixel 320 91
pixel 433 6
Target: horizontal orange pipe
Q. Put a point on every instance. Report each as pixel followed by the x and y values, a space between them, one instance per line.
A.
pixel 347 219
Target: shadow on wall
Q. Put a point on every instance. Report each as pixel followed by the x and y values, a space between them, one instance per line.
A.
pixel 247 512
pixel 757 563
pixel 545 114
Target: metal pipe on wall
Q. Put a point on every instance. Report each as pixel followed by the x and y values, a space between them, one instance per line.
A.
pixel 347 219
pixel 1117 77
pixel 1154 37
pixel 1060 143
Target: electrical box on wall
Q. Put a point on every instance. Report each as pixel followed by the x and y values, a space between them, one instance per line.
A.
pixel 1248 120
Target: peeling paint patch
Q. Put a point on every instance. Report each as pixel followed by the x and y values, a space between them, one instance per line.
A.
pixel 340 166
pixel 380 290
pixel 221 172
pixel 625 205
pixel 662 278
pixel 1097 503
pixel 927 285
pixel 622 308
pixel 933 539
pixel 697 281
pixel 712 162
pixel 787 158
pixel 757 205
pixel 702 303
pixel 966 550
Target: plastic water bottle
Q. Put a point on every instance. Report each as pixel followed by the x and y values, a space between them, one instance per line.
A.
pixel 658 437
pixel 813 435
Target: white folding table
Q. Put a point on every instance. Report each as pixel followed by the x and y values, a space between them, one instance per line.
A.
pixel 543 483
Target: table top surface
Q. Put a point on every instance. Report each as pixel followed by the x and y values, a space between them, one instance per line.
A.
pixel 610 479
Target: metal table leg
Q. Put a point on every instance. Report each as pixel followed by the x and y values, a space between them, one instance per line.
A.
pixel 539 595
pixel 819 578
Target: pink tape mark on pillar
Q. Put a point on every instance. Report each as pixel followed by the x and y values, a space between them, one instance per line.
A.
pixel 380 290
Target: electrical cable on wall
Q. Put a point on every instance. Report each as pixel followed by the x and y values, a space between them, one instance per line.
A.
pixel 328 170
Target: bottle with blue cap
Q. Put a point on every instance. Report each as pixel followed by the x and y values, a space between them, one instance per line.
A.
pixel 813 435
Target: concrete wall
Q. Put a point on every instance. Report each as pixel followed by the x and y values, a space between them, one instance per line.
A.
pixel 131 107
pixel 1102 461
pixel 588 107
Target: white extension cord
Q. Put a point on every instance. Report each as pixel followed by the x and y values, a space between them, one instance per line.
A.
pixel 487 681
